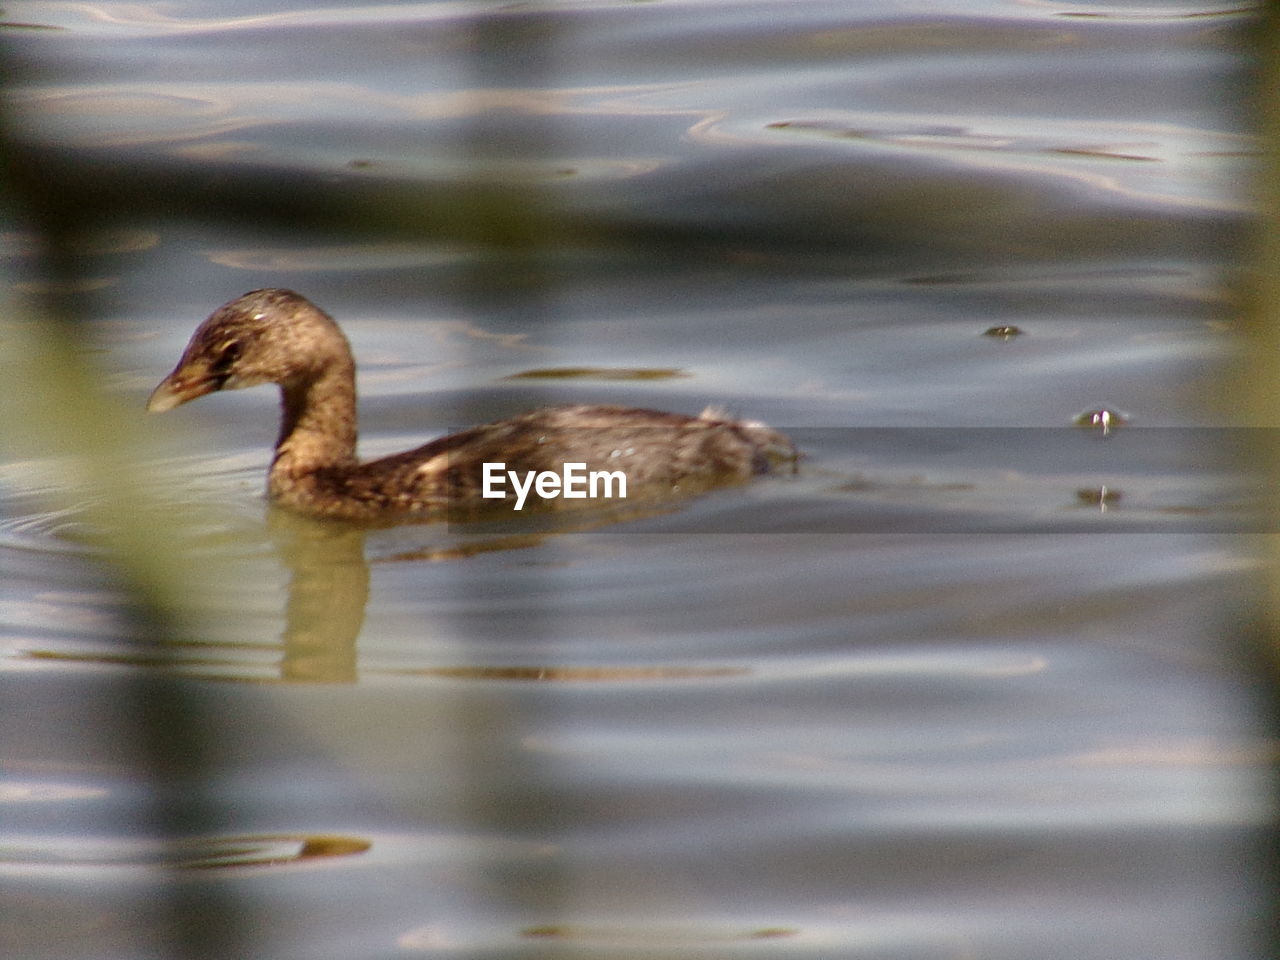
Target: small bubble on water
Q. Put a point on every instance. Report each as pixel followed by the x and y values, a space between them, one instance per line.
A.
pixel 1002 332
pixel 1101 496
pixel 1103 419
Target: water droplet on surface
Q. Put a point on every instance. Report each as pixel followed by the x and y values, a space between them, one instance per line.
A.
pixel 1103 419
pixel 1002 332
pixel 1101 496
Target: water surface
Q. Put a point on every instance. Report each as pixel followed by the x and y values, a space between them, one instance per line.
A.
pixel 974 682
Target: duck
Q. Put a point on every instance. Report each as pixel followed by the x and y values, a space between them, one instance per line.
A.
pixel 278 336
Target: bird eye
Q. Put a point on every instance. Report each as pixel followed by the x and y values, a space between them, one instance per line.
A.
pixel 228 354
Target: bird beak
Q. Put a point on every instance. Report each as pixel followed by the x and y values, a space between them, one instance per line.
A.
pixel 177 388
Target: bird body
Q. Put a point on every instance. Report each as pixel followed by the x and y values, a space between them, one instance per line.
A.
pixel 277 336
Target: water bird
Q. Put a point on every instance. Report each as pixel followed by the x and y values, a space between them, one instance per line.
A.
pixel 278 336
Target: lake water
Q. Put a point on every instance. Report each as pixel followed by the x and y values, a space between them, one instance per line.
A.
pixel 976 681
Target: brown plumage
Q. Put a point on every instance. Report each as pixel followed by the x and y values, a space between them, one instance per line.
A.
pixel 277 336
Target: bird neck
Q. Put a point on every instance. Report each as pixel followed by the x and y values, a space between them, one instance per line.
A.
pixel 318 427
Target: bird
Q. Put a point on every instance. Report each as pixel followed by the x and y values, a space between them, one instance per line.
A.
pixel 278 336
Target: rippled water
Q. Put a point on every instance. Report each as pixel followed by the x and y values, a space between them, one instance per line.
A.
pixel 975 682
